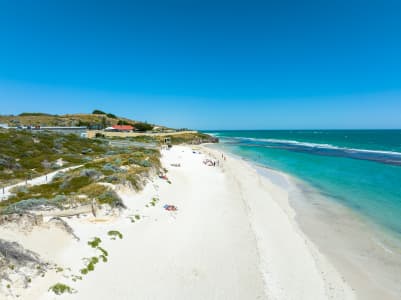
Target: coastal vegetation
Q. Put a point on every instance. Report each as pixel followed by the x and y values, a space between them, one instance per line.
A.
pixel 141 126
pixel 61 288
pixel 189 138
pixel 96 120
pixel 98 112
pixel 114 233
pixel 153 202
pixel 30 114
pixel 83 176
pixel 22 159
pixel 95 242
pixel 173 139
pixel 94 260
pixel 25 154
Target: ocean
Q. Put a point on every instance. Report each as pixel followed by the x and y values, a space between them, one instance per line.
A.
pixel 360 169
pixel 345 188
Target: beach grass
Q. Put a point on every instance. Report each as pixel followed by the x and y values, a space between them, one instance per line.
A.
pixel 124 166
pixel 25 154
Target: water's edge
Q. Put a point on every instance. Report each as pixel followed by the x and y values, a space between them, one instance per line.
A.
pixel 365 254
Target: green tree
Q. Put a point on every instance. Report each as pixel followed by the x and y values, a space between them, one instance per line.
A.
pixel 98 112
pixel 123 122
pixel 143 126
pixel 112 116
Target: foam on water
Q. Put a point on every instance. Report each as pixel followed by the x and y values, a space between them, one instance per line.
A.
pixel 382 156
pixel 367 255
pixel 358 169
pixel 321 146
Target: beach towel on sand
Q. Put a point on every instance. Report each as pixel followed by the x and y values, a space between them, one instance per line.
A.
pixel 170 207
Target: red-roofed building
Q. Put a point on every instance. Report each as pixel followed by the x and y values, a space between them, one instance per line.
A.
pixel 123 128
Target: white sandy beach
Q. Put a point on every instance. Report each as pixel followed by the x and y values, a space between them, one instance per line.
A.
pixel 233 237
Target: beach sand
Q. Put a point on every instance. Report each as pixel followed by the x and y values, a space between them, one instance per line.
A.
pixel 233 236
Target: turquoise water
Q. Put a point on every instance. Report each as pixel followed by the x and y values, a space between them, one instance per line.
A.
pixel 360 169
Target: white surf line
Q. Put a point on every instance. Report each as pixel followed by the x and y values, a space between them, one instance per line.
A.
pixel 43 179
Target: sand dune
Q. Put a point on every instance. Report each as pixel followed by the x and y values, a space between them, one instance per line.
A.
pixel 232 237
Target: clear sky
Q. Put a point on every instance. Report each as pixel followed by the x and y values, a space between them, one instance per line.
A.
pixel 206 64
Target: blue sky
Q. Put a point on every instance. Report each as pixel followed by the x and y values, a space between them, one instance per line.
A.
pixel 206 64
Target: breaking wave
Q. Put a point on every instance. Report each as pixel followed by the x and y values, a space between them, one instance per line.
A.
pixel 388 157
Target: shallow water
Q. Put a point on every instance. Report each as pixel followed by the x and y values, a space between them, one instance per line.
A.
pixel 359 169
pixel 350 207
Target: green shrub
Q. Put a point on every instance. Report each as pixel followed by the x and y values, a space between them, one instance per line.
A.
pixel 104 252
pixel 75 183
pixel 98 112
pixel 94 260
pixel 91 267
pixel 34 148
pixel 115 233
pixel 111 198
pixel 60 288
pixel 84 271
pixel 76 277
pixel 134 179
pixel 27 205
pixel 93 190
pixel 140 162
pixel 143 126
pixel 30 114
pixel 104 258
pixel 112 116
pixel 95 242
pixel 123 122
pixel 110 169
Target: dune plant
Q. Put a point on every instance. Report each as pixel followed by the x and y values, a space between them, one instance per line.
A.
pixel 114 233
pixel 61 288
pixel 95 242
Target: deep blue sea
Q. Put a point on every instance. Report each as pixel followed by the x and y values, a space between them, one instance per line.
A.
pixel 360 169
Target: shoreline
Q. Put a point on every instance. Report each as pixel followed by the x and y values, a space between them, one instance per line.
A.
pixel 325 281
pixel 365 254
pixel 223 242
